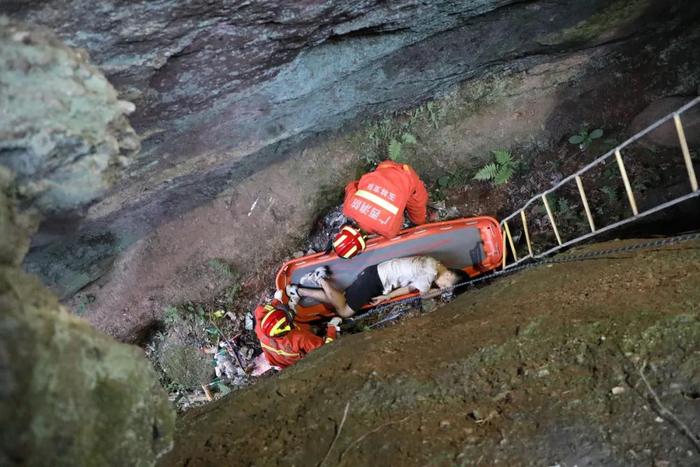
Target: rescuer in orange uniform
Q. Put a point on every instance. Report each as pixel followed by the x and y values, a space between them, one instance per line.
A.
pixel 377 201
pixel 284 342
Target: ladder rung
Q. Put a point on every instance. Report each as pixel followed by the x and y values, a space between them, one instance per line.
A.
pixel 579 183
pixel 505 253
pixel 626 181
pixel 551 218
pixel 527 233
pixel 510 241
pixel 686 153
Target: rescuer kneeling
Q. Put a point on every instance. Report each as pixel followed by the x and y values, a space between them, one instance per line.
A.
pixel 283 341
pixel 377 201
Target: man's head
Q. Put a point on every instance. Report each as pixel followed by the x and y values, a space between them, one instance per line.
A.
pixel 448 277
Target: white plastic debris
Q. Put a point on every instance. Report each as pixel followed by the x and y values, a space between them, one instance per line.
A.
pixel 224 366
pixel 617 390
pixel 249 325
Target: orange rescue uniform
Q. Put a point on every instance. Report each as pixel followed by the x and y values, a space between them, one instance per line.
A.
pixel 377 201
pixel 289 348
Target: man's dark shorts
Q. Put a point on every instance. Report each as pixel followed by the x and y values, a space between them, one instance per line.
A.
pixel 366 286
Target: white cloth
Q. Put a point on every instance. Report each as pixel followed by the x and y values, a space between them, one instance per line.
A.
pixel 417 272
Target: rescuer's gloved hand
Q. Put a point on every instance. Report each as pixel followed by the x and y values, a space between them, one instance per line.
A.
pixel 331 333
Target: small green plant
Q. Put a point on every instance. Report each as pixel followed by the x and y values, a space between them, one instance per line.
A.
pixel 610 193
pixel 565 214
pixel 171 315
pixel 499 171
pixel 457 178
pixel 396 147
pixel 431 107
pixel 220 267
pixel 82 303
pixel 584 139
pixel 231 293
pixel 184 365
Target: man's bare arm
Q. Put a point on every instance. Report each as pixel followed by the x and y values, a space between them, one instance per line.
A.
pixel 394 293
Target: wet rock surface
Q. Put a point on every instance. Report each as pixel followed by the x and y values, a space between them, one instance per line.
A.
pixel 523 371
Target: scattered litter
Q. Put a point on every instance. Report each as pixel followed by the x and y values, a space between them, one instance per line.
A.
pixel 618 390
pixel 219 313
pixel 476 416
pixel 438 205
pixel 261 365
pixel 325 227
pixel 659 420
pixel 225 367
pixel 255 203
pixel 450 213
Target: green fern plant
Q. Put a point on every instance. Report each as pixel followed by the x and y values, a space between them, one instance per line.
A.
pixel 499 171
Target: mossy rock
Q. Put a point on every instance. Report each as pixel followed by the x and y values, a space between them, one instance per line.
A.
pixel 70 395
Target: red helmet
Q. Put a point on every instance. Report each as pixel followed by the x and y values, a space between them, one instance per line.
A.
pixel 275 322
pixel 348 242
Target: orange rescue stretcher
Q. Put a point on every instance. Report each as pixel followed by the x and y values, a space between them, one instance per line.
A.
pixel 474 245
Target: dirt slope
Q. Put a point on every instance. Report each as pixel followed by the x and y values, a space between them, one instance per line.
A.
pixel 520 373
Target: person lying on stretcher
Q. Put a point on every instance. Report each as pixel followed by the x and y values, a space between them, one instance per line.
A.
pixel 378 283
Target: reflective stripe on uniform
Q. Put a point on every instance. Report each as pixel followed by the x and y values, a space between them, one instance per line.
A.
pixel 379 201
pixel 278 351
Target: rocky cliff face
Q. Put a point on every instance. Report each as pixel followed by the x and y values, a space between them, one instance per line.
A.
pixel 63 131
pixel 230 95
pixel 69 395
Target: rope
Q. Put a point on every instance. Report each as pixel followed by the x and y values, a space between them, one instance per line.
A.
pixel 564 259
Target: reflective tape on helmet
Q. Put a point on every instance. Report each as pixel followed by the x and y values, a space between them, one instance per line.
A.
pixel 339 240
pixel 379 201
pixel 352 231
pixel 278 328
pixel 270 310
pixel 350 252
